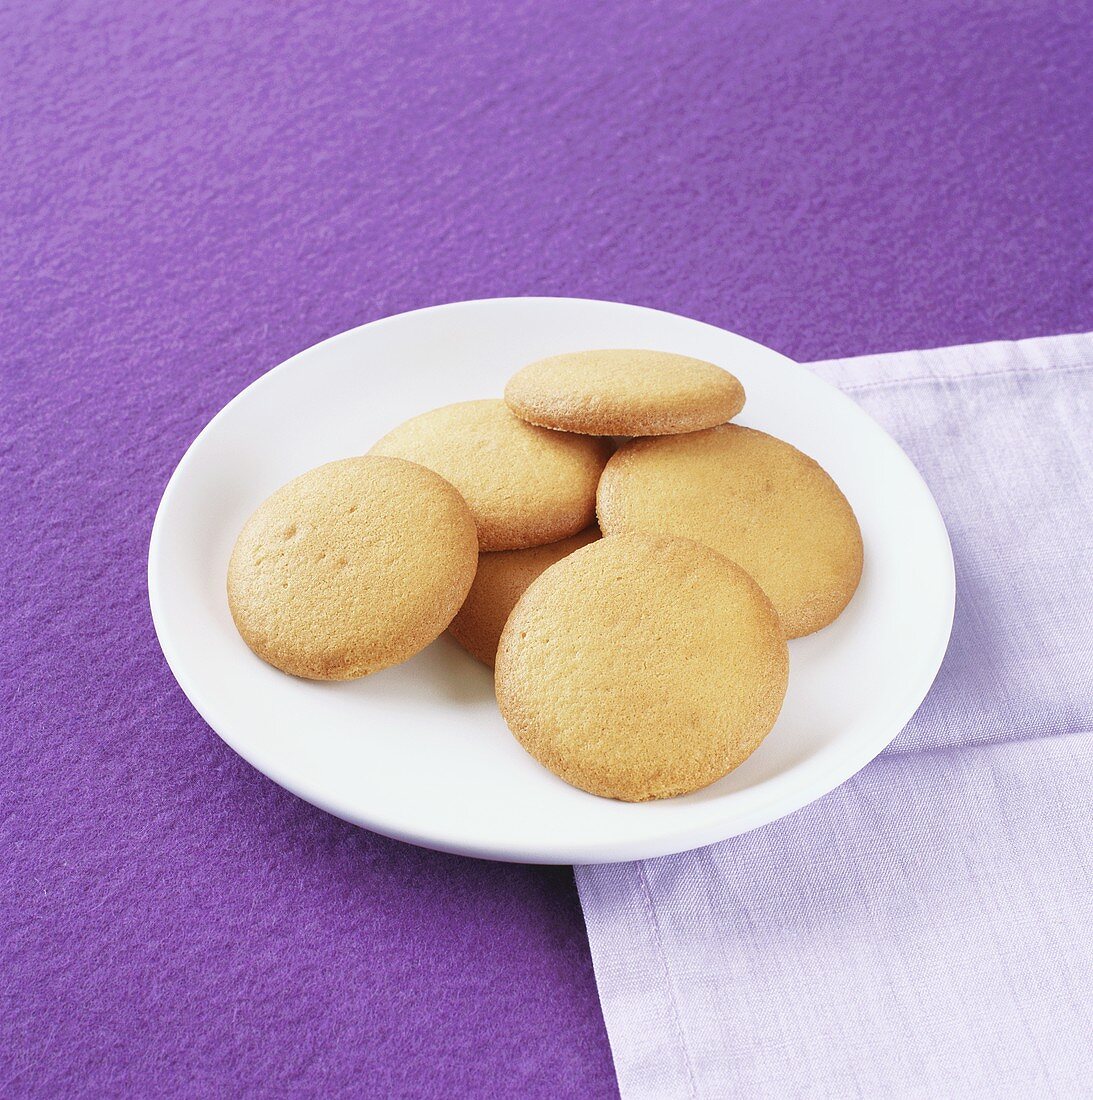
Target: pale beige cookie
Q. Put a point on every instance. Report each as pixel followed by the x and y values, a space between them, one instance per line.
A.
pixel 525 485
pixel 354 566
pixel 501 580
pixel 754 498
pixel 624 392
pixel 642 667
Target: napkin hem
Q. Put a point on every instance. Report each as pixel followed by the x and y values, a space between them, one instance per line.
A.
pixel 624 889
pixel 1061 354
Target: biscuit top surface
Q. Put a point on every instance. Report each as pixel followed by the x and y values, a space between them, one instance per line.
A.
pixel 525 485
pixel 642 667
pixel 351 567
pixel 755 498
pixel 621 391
pixel 501 580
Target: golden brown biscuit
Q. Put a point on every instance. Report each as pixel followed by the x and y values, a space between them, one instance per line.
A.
pixel 354 566
pixel 757 500
pixel 501 580
pixel 642 667
pixel 526 486
pixel 622 391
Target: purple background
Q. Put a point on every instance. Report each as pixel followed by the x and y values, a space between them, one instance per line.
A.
pixel 193 192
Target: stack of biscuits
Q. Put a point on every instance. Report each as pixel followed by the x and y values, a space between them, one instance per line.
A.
pixel 629 561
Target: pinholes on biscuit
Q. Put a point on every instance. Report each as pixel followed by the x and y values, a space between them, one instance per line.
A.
pixel 351 567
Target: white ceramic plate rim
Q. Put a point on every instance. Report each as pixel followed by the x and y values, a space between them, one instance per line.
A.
pixel 767 801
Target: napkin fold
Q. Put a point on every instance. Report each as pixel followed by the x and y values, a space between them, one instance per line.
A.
pixel 926 929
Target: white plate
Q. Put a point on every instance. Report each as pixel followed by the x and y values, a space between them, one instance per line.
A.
pixel 420 752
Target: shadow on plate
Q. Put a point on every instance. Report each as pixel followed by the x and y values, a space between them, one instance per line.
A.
pixel 443 672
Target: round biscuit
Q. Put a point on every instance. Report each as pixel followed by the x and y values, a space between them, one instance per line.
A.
pixel 525 485
pixel 642 667
pixel 624 391
pixel 754 498
pixel 501 580
pixel 351 567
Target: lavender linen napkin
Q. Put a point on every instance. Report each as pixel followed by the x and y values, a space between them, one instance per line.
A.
pixel 926 930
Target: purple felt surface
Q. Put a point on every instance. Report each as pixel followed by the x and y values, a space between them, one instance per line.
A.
pixel 190 193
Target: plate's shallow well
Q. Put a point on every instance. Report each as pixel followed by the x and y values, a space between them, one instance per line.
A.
pixel 420 752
